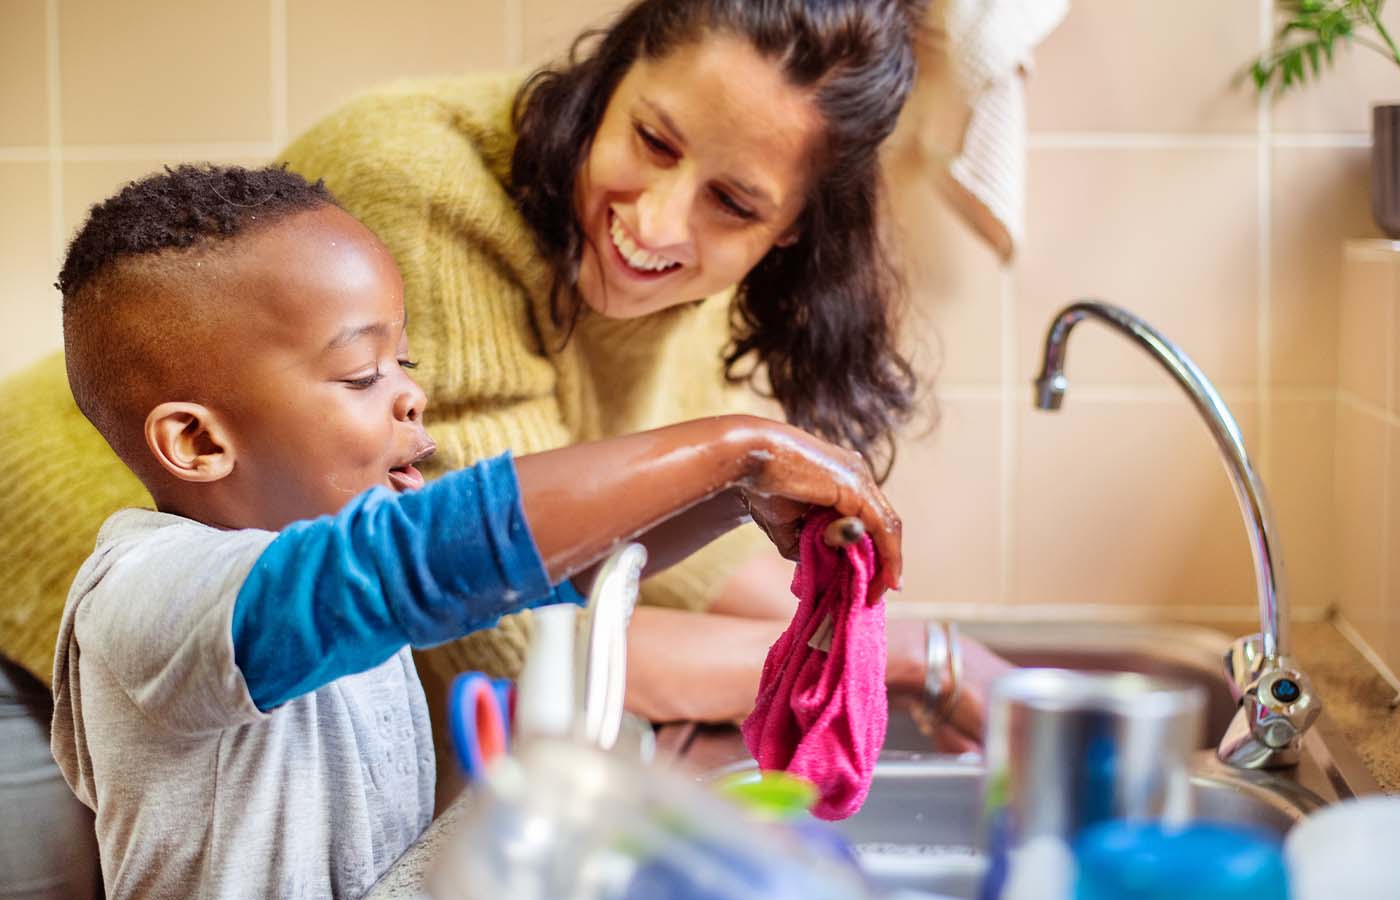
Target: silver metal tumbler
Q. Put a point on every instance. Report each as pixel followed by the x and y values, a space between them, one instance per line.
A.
pixel 1066 750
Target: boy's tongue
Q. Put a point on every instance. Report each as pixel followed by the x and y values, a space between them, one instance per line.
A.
pixel 406 478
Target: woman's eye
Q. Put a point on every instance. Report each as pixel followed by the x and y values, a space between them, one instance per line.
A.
pixel 408 364
pixel 733 207
pixel 654 143
pixel 360 384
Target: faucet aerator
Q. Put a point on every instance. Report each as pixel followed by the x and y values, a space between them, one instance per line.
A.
pixel 1050 392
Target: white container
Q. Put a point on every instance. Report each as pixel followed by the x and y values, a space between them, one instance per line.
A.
pixel 1346 851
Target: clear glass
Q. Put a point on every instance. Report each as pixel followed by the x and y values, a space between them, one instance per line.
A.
pixel 565 821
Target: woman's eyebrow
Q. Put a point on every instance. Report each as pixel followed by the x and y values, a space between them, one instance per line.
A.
pixel 753 193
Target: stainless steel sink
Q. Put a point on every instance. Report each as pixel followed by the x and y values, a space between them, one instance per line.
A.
pixel 918 828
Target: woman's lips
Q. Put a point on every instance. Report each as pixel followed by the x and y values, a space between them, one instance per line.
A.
pixel 620 262
pixel 406 478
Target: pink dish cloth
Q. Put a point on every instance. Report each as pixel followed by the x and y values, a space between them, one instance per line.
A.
pixel 821 713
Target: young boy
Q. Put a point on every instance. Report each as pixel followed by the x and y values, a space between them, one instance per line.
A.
pixel 234 694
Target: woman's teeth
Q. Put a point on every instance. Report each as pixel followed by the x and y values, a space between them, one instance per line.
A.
pixel 641 260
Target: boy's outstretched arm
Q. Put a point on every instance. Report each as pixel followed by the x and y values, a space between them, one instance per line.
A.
pixel 341 594
pixel 336 595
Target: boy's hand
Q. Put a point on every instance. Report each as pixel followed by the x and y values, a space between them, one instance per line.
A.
pixel 791 471
pixel 780 519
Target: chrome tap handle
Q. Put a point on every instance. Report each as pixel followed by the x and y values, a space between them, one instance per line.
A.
pixel 1277 705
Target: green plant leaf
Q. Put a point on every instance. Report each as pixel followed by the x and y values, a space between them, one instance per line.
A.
pixel 1305 44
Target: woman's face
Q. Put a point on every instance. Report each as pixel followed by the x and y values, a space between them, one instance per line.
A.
pixel 698 168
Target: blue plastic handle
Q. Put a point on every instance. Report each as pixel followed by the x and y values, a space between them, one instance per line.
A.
pixel 478 711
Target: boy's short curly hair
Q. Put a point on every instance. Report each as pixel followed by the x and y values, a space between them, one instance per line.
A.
pixel 183 207
pixel 141 284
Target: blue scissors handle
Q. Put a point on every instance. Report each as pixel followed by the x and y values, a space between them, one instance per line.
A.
pixel 478 710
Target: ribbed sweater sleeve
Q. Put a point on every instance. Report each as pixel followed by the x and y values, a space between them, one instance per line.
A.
pixel 61 482
pixel 340 594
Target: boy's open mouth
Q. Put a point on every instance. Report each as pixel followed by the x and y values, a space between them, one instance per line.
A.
pixel 407 477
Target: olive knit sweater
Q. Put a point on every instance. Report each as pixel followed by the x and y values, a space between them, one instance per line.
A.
pixel 425 166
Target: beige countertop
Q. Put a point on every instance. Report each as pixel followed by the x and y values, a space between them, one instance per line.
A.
pixel 1354 695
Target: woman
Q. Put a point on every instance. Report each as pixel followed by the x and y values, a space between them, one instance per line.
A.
pixel 620 242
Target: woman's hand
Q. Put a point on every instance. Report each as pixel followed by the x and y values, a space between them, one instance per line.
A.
pixel 957 730
pixel 791 471
pixel 965 728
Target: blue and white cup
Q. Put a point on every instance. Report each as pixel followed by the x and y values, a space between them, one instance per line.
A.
pixel 1066 750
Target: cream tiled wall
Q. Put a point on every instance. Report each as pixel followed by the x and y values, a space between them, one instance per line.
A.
pixel 1155 182
pixel 1368 445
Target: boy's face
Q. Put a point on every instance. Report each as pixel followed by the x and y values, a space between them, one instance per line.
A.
pixel 320 405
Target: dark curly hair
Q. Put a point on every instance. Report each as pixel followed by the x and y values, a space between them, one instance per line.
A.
pixel 180 208
pixel 816 317
pixel 135 295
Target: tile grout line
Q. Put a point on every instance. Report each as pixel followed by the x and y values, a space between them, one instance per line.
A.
pixel 54 82
pixel 127 152
pixel 1009 448
pixel 516 52
pixel 31 153
pixel 1145 140
pixel 1234 395
pixel 1387 480
pixel 515 33
pixel 277 55
pixel 1382 249
pixel 1389 340
pixel 1366 408
pixel 1264 266
pixel 1180 613
pixel 1320 140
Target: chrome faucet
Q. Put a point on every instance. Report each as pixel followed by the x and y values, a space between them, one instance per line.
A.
pixel 603 645
pixel 575 676
pixel 1277 702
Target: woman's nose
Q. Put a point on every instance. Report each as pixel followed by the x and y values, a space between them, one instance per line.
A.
pixel 410 402
pixel 663 213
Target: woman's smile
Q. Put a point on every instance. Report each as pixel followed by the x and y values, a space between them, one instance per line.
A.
pixel 636 261
pixel 698 168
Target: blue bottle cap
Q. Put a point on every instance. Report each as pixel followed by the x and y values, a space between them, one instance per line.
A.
pixel 1204 861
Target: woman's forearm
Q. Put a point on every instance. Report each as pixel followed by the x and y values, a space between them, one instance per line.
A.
pixel 684 666
pixel 705 667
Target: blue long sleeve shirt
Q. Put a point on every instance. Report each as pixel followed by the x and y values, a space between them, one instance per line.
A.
pixel 340 594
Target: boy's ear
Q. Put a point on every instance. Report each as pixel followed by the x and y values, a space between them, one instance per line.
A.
pixel 189 441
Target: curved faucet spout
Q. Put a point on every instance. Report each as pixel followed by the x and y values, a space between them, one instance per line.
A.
pixel 1274 722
